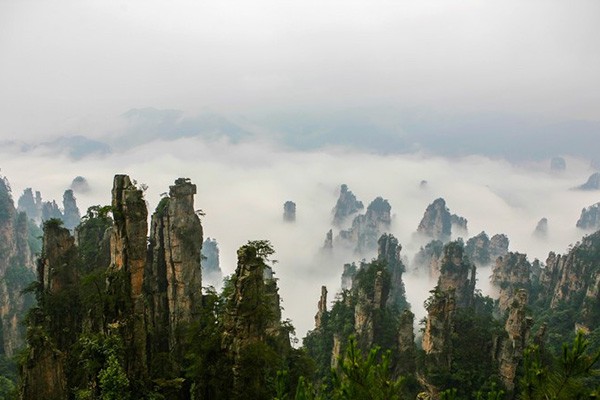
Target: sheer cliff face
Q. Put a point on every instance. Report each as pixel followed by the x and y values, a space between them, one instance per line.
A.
pixel 574 278
pixel 457 275
pixel 511 274
pixel 367 228
pixel 128 261
pixel 253 318
pixel 436 222
pixel 389 252
pixel 44 373
pixel 16 272
pixel 517 327
pixel 590 218
pixel 454 290
pixel 346 206
pixel 174 273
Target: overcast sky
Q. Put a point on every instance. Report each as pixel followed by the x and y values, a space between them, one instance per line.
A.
pixel 65 62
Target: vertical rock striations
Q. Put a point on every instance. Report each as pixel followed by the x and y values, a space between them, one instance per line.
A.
pixel 436 222
pixel 517 327
pixel 321 308
pixel 367 228
pixel 511 274
pixel 389 253
pixel 56 325
pixel 16 272
pixel 173 278
pixel 126 272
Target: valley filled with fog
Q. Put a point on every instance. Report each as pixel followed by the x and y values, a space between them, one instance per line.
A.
pixel 242 187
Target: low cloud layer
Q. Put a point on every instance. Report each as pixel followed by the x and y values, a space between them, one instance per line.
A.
pixel 242 188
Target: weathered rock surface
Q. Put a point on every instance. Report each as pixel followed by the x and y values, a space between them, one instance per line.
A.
pixel 389 253
pixel 16 272
pixel 511 274
pixel 482 250
pixel 346 206
pixel 406 344
pixel 254 314
pixel 367 228
pixel 590 218
pixel 321 308
pixel 289 211
pixel 457 275
pixel 174 275
pixel 44 374
pixel 518 326
pixel 128 263
pixel 436 222
pixel 593 183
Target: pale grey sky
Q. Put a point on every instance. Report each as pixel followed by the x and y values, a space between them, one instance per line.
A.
pixel 63 63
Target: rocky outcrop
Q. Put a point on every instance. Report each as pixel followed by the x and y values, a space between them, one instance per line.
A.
pixel 511 274
pixel 289 211
pixel 437 338
pixel 590 218
pixel 428 258
pixel 593 183
pixel 174 277
pixel 30 205
pixel 16 272
pixel 50 211
pixel 459 225
pixel 389 253
pixel 321 308
pixel 406 344
pixel 126 271
pixel 368 305
pixel 517 327
pixel 52 333
pixel 436 222
pixel 574 278
pixel 80 185
pixel 541 229
pixel 346 206
pixel 71 216
pixel 253 317
pixel 477 249
pixel 558 164
pixel 457 275
pixel 211 266
pixel 498 246
pixel 367 228
pixel 482 250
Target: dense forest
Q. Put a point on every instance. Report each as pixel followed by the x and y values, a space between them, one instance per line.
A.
pixel 116 308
